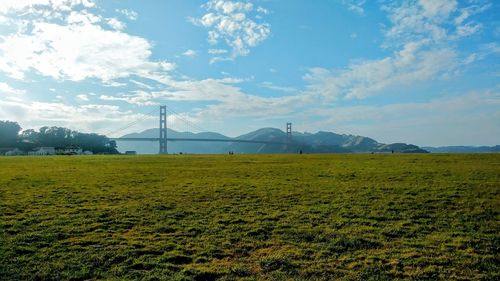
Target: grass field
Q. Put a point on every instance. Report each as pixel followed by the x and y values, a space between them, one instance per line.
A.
pixel 261 217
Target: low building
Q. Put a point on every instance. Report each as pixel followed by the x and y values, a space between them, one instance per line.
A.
pixel 69 150
pixel 4 150
pixel 130 152
pixel 14 152
pixel 44 150
pixel 88 152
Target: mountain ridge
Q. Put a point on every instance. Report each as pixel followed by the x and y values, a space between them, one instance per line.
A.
pixel 319 142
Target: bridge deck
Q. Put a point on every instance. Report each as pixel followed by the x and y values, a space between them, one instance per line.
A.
pixel 202 140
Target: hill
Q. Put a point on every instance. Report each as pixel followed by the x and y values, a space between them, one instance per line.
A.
pixel 320 142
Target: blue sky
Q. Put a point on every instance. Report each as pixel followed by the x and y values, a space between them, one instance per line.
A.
pixel 423 72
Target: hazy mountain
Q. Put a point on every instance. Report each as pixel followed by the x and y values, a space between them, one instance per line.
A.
pixel 144 147
pixel 320 142
pixel 343 143
pixel 400 147
pixel 264 134
pixel 464 149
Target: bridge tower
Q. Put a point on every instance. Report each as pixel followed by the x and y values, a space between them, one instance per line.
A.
pixel 163 129
pixel 288 133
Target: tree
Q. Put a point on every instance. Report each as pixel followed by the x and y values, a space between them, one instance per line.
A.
pixel 30 136
pixel 9 133
pixel 112 144
pixel 55 136
pixel 61 137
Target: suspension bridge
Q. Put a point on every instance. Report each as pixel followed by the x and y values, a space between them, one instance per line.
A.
pixel 163 137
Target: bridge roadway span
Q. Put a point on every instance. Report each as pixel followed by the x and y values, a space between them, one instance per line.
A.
pixel 202 140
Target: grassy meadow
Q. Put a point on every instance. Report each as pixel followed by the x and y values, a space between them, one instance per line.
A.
pixel 250 217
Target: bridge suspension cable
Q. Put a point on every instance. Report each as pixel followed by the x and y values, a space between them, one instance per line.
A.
pixel 189 124
pixel 186 121
pixel 138 120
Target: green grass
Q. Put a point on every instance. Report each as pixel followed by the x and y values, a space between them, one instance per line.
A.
pixel 262 217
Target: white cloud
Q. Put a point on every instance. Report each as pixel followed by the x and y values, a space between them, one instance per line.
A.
pixel 229 7
pixel 262 10
pixel 355 6
pixel 230 22
pixel 468 29
pixel 217 51
pixel 470 59
pixel 82 97
pixel 8 90
pixel 75 52
pixel 416 20
pixel 189 53
pixel 141 98
pixel 438 8
pixel 272 86
pixel 469 11
pixel 76 48
pixel 114 84
pixel 411 21
pixel 141 85
pixel 224 97
pixel 82 17
pixel 363 79
pixel 496 30
pixel 38 6
pixel 116 24
pixel 131 15
pixel 491 48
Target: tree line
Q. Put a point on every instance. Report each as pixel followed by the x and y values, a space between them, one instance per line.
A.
pixel 11 135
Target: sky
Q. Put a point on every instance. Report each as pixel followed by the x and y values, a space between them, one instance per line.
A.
pixel 425 72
